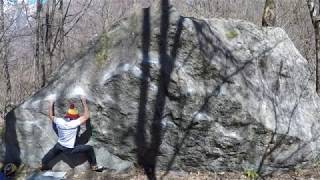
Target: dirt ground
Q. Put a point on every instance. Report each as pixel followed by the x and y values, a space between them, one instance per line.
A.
pixel 310 173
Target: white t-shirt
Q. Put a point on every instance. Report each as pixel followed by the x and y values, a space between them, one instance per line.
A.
pixel 67 131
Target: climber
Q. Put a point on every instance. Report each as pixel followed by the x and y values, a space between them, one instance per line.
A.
pixel 67 132
pixel 71 114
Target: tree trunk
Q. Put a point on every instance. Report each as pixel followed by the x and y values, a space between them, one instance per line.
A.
pixel 3 55
pixel 61 32
pixel 314 15
pixel 269 13
pixel 48 37
pixel 317 42
pixel 37 43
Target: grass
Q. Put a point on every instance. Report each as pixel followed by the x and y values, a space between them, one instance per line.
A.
pixel 250 174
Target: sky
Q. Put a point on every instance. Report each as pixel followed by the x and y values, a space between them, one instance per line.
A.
pixel 31 2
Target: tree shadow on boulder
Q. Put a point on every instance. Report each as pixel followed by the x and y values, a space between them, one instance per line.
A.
pixel 12 149
pixel 148 152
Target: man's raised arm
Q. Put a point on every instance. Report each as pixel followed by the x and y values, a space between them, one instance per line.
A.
pixel 85 115
pixel 51 110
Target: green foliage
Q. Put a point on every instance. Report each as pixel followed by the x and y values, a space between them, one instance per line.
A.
pixel 102 50
pixel 231 34
pixel 250 174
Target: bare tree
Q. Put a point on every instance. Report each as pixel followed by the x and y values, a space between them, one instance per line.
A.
pixel 37 55
pixel 61 30
pixel 49 17
pixel 314 14
pixel 4 58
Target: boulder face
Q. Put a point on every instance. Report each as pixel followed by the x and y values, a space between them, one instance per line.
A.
pixel 205 94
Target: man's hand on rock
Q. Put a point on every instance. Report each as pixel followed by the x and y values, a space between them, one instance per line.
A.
pixel 51 97
pixel 83 98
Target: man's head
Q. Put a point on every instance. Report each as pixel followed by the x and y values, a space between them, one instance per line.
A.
pixel 72 113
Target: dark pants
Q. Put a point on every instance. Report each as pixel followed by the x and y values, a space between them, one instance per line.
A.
pixel 58 148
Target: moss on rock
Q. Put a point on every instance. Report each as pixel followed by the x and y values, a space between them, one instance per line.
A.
pixel 101 52
pixel 231 34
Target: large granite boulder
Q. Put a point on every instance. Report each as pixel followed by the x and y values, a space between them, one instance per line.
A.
pixel 205 94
